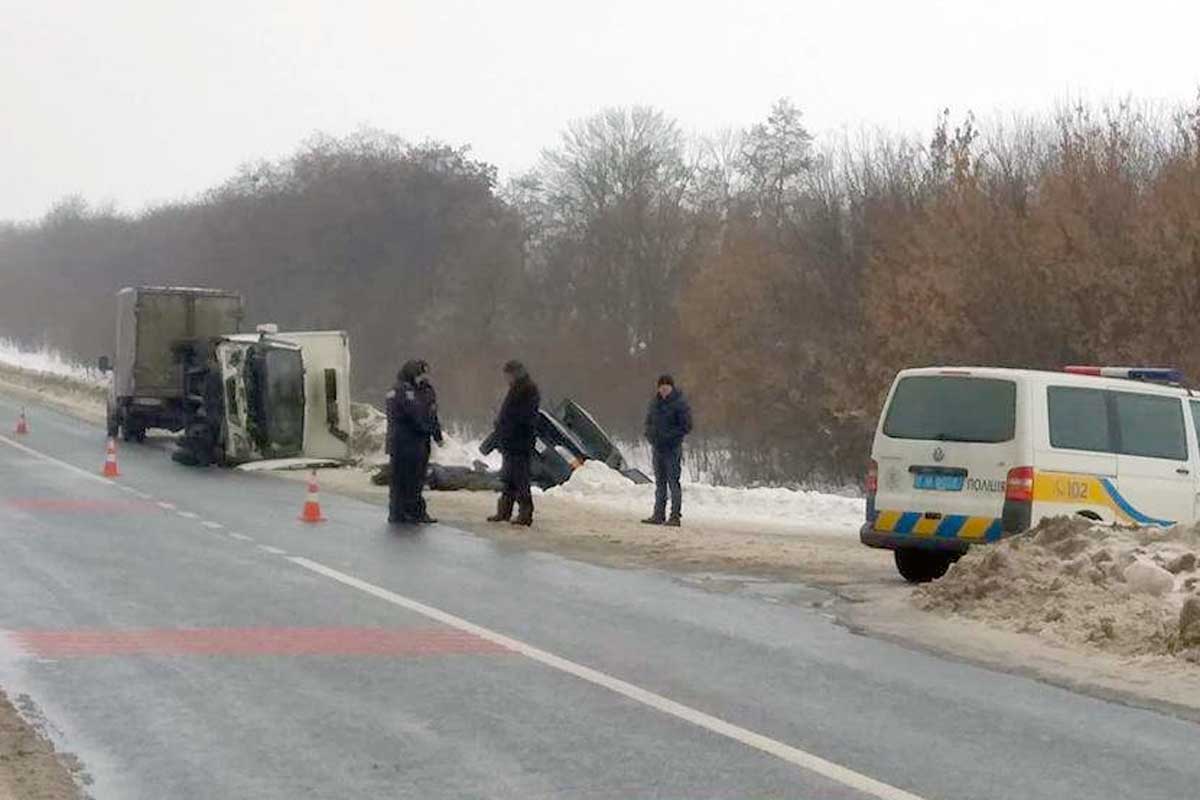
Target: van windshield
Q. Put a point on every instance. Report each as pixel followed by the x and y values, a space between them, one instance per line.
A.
pixel 952 408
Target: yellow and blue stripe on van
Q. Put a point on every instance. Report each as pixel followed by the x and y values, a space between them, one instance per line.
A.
pixel 949 526
pixel 1073 491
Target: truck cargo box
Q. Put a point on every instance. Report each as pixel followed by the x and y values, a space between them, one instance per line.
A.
pixel 151 320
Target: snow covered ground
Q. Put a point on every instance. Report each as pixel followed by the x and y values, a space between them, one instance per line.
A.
pixel 596 484
pixel 48 361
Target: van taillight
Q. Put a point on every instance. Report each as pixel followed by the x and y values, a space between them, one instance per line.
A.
pixel 872 477
pixel 1019 487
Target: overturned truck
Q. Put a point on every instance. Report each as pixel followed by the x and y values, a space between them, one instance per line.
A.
pixel 265 396
pixel 567 436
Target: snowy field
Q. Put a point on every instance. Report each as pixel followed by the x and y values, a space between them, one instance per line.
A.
pixel 48 361
pixel 596 484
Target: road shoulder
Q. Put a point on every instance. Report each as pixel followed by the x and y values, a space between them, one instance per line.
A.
pixel 30 769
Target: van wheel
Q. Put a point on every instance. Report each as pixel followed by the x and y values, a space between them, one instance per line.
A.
pixel 922 566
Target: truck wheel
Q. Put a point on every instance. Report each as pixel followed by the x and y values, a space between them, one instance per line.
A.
pixel 922 566
pixel 133 432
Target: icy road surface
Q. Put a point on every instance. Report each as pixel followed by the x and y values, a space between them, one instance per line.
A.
pixel 186 637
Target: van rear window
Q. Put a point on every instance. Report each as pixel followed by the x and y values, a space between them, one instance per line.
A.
pixel 952 408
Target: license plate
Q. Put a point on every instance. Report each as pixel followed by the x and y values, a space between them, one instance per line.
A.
pixel 938 483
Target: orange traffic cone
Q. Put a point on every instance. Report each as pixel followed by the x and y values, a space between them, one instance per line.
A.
pixel 312 505
pixel 22 424
pixel 110 460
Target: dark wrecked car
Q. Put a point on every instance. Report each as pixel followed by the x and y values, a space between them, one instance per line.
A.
pixel 567 436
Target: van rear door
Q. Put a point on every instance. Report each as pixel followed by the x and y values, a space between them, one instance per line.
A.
pixel 944 449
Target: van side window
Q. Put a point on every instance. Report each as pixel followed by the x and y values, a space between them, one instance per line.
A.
pixel 1151 426
pixel 1195 406
pixel 1079 419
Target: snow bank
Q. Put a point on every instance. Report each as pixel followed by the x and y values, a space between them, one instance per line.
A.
pixel 1126 591
pixel 370 432
pixel 595 483
pixel 47 361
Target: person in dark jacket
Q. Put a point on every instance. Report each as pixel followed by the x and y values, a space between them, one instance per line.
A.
pixel 412 423
pixel 668 421
pixel 514 436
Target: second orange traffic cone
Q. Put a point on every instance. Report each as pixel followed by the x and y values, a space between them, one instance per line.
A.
pixel 22 424
pixel 312 504
pixel 110 460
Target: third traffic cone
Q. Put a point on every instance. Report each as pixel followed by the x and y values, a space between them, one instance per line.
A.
pixel 312 505
pixel 110 459
pixel 22 424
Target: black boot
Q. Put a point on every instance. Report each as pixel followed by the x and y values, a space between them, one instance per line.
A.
pixel 653 520
pixel 524 514
pixel 674 521
pixel 504 509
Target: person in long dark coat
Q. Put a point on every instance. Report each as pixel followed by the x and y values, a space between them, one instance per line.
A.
pixel 514 435
pixel 668 421
pixel 412 422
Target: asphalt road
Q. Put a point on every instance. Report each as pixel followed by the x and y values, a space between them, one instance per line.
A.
pixel 187 637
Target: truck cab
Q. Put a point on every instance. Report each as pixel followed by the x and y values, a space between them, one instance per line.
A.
pixel 265 396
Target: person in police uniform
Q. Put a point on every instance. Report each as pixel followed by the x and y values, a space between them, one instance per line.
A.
pixel 412 423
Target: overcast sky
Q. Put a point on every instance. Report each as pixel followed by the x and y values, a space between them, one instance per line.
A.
pixel 140 102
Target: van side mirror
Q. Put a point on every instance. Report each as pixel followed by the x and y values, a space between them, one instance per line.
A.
pixel 104 364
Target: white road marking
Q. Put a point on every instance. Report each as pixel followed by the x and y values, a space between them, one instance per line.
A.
pixel 275 551
pixel 188 514
pixel 165 506
pixel 216 526
pixel 792 755
pixel 52 460
pixel 241 537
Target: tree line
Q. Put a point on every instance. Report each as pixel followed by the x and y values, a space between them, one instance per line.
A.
pixel 782 279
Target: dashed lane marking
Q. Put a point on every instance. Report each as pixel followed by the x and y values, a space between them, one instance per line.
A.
pixel 241 537
pixel 216 526
pixel 275 551
pixel 188 514
pixel 792 755
pixel 165 506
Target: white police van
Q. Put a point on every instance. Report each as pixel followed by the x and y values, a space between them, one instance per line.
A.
pixel 968 455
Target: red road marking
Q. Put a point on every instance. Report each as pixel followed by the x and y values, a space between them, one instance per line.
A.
pixel 254 642
pixel 64 505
